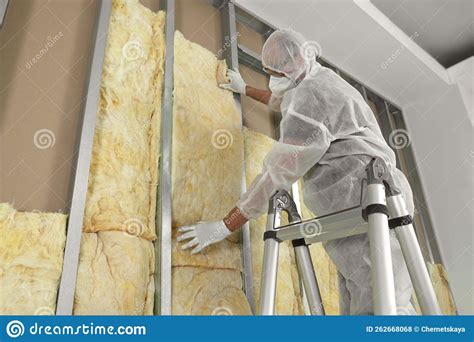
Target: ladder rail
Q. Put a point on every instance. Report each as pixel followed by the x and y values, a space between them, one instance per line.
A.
pixel 282 201
pixel 270 263
pixel 385 209
pixel 413 256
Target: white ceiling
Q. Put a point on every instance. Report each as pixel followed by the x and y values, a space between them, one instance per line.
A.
pixel 444 27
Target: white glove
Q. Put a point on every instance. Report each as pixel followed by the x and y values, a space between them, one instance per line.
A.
pixel 203 234
pixel 236 84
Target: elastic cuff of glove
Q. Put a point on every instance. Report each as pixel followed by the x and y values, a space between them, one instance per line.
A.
pixel 226 231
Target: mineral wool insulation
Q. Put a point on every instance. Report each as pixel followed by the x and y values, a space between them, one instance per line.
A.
pixel 117 260
pixel 31 258
pixel 116 266
pixel 207 157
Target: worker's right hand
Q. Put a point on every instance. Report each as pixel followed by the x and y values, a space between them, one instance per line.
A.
pixel 203 234
pixel 236 84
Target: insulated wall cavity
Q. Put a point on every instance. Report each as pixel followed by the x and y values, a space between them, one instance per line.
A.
pixel 117 260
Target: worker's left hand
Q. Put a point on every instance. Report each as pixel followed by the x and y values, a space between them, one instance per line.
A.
pixel 203 234
pixel 236 84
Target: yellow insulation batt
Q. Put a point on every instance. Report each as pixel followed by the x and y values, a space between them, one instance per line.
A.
pixel 441 286
pixel 122 183
pixel 221 72
pixel 31 258
pixel 204 291
pixel 117 257
pixel 207 139
pixel 115 275
pixel 207 157
pixel 288 300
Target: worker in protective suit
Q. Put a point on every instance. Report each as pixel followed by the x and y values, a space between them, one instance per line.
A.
pixel 328 135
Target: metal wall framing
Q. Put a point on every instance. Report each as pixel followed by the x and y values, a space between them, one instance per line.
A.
pixel 3 11
pixel 67 284
pixel 163 276
pixel 229 34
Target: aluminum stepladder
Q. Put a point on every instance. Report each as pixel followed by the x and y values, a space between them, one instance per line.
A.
pixel 384 209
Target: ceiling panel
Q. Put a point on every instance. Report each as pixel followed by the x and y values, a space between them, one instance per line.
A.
pixel 444 27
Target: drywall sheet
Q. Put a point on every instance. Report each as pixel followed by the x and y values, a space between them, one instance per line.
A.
pixel 204 291
pixel 115 275
pixel 207 151
pixel 31 258
pixel 257 116
pixel 200 22
pixel 123 175
pixel 326 271
pixel 41 104
pixel 288 300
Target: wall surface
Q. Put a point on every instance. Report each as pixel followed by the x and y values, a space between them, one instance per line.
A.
pixel 44 53
pixel 463 75
pixel 358 39
pixel 44 49
pixel 201 23
pixel 257 116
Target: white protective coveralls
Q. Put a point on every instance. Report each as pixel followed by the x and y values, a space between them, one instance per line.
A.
pixel 328 135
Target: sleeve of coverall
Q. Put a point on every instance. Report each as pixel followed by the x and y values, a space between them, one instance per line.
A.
pixel 274 103
pixel 304 140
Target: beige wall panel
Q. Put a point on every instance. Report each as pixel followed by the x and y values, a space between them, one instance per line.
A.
pixel 199 22
pixel 257 116
pixel 250 38
pixel 44 50
pixel 43 97
pixel 153 5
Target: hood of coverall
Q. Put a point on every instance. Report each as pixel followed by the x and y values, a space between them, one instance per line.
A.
pixel 288 52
